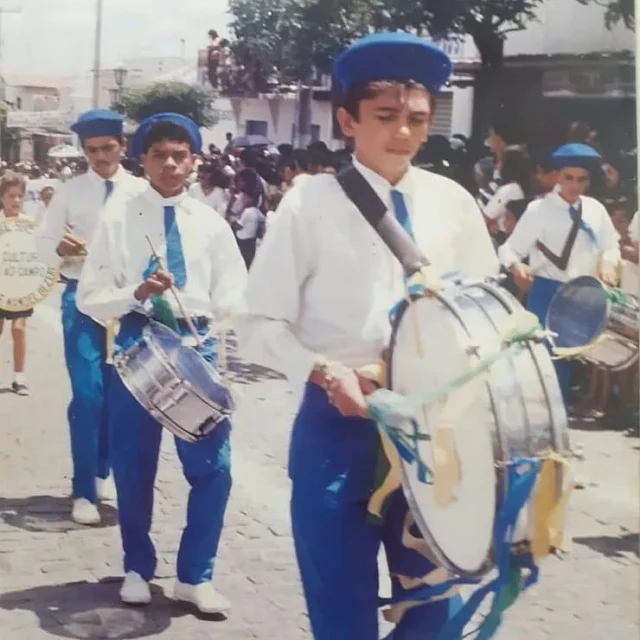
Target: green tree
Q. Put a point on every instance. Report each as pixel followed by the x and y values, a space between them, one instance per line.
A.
pixel 296 36
pixel 616 11
pixel 178 97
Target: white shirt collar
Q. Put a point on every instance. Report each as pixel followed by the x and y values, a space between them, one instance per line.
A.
pixel 118 176
pixel 560 201
pixel 380 185
pixel 158 200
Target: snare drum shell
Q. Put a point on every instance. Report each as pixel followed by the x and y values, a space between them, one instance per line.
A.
pixel 167 379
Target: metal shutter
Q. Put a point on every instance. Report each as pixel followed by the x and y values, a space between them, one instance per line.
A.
pixel 443 114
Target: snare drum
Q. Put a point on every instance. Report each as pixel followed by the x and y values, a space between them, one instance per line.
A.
pixel 582 313
pixel 515 410
pixel 174 383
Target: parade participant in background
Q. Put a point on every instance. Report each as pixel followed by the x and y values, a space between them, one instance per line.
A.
pixel 319 297
pixel 200 257
pixel 12 193
pixel 294 168
pixel 65 233
pixel 211 188
pixel 516 176
pixel 565 235
pixel 35 185
pixel 46 195
pixel 249 226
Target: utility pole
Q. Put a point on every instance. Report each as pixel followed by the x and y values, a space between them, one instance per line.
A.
pixel 97 54
pixel 2 12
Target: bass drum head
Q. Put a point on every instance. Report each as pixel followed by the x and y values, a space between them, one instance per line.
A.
pixel 578 312
pixel 189 365
pixel 459 533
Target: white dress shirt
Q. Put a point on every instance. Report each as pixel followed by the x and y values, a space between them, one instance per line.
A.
pixel 549 221
pixel 120 254
pixel 496 208
pixel 75 208
pixel 249 220
pixel 323 281
pixel 216 199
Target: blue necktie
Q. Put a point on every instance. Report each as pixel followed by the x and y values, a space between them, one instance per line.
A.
pixel 108 189
pixel 400 208
pixel 175 256
pixel 573 212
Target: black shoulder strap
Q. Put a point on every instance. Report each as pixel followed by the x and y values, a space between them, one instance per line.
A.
pixel 375 212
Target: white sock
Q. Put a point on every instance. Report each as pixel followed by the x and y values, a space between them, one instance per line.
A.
pixel 19 378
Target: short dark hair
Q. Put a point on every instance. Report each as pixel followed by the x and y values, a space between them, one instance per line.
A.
pixel 517 167
pixel 503 126
pixel 165 131
pixel 367 90
pixel 299 160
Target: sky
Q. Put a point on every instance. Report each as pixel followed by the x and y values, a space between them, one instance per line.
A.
pixel 56 37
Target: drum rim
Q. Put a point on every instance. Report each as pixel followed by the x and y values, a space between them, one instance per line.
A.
pixel 420 522
pixel 573 282
pixel 195 390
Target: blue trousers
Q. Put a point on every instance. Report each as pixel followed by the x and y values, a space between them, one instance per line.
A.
pixel 135 446
pixel 84 351
pixel 538 301
pixel 332 467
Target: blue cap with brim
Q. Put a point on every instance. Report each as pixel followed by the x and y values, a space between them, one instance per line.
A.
pixel 178 119
pixel 395 56
pixel 97 123
pixel 576 155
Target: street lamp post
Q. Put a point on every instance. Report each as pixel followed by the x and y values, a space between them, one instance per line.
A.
pixel 97 52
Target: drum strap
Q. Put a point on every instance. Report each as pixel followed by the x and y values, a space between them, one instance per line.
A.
pixel 562 260
pixel 384 222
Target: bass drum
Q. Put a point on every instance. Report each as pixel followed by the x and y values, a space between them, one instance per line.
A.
pixel 515 410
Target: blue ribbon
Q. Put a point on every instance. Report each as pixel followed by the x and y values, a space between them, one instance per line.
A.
pixel 585 226
pixel 523 473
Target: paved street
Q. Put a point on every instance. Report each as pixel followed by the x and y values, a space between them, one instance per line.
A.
pixel 60 580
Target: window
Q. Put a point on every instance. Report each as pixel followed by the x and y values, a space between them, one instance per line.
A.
pixel 256 128
pixel 19 103
pixel 315 133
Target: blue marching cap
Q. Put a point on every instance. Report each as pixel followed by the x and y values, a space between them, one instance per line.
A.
pixel 178 119
pixel 576 155
pixel 396 56
pixel 98 122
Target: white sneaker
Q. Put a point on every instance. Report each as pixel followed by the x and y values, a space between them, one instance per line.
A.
pixel 105 489
pixel 206 599
pixel 135 589
pixel 85 512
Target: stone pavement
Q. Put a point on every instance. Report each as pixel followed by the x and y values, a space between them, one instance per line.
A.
pixel 60 580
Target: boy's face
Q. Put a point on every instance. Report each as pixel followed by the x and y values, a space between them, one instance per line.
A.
pixel 168 163
pixel 573 183
pixel 390 128
pixel 103 154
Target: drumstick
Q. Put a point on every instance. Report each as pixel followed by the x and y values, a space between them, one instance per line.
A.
pixel 178 300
